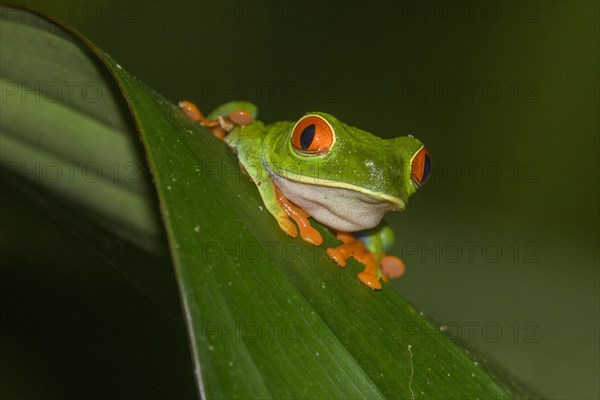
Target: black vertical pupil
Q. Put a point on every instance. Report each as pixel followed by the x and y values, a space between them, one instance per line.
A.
pixel 307 136
pixel 427 168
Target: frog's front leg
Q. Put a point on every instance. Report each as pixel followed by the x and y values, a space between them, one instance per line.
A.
pixel 277 204
pixel 282 209
pixel 307 232
pixel 353 247
pixel 369 250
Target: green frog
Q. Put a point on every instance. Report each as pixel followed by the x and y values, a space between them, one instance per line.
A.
pixel 318 167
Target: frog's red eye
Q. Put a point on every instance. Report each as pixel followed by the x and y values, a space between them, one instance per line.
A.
pixel 312 134
pixel 421 168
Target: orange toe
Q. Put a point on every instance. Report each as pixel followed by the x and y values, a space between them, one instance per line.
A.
pixel 370 280
pixel 311 235
pixel 191 110
pixel 392 266
pixel 342 253
pixel 288 227
pixel 336 255
pixel 240 117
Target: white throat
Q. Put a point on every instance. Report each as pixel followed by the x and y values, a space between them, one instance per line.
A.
pixel 341 209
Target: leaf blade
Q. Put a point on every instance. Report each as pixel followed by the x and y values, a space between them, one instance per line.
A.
pixel 353 343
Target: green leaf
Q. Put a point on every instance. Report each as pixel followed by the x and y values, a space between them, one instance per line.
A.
pixel 268 316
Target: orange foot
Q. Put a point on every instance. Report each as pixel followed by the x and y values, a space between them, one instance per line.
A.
pixel 220 126
pixel 307 232
pixel 353 247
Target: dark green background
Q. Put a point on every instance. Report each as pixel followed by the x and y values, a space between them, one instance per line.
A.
pixel 505 96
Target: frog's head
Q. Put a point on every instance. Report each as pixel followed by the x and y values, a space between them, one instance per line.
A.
pixel 344 177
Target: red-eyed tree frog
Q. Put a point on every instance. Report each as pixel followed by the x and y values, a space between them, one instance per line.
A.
pixel 341 176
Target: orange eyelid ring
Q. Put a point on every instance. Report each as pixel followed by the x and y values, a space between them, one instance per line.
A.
pixel 420 168
pixel 312 135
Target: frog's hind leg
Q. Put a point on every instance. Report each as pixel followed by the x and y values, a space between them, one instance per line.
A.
pixel 194 113
pixel 221 124
pixel 353 247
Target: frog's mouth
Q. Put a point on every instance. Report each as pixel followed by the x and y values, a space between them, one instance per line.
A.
pixel 340 206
